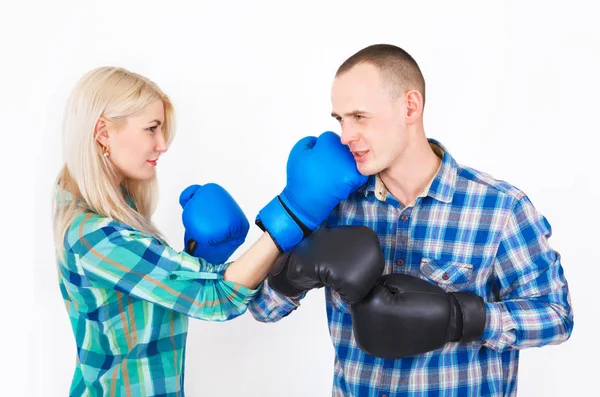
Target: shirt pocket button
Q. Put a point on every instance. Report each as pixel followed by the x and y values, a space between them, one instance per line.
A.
pixel 449 275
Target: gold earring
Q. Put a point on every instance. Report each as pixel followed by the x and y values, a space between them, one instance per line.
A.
pixel 105 151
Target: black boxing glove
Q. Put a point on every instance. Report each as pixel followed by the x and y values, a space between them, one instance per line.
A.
pixel 404 316
pixel 346 258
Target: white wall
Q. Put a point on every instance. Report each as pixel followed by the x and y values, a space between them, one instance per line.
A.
pixel 512 89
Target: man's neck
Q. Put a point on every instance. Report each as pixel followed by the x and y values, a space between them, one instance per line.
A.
pixel 412 172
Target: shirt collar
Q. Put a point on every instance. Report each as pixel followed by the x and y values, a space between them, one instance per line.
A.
pixel 441 187
pixel 64 197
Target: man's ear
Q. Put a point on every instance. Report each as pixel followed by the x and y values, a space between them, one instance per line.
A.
pixel 414 106
pixel 101 131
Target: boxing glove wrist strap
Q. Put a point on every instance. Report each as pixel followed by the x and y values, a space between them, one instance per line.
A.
pixel 472 310
pixel 283 226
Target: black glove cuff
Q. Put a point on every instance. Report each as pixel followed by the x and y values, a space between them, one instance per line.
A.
pixel 473 315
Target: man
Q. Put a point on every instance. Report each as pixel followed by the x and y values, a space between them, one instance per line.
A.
pixel 479 241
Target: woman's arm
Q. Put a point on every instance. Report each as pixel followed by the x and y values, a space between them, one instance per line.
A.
pixel 252 267
pixel 103 253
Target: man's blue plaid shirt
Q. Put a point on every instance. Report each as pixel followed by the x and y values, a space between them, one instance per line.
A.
pixel 465 232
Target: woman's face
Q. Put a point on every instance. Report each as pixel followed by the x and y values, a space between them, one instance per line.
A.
pixel 135 144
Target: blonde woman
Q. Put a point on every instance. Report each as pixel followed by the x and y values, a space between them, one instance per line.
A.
pixel 127 292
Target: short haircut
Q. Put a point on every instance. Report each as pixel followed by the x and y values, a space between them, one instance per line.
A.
pixel 396 66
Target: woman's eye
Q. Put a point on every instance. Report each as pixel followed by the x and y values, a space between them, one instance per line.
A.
pixel 152 129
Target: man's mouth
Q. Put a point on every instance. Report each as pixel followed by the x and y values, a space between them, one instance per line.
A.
pixel 359 155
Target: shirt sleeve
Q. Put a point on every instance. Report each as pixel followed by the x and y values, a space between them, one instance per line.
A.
pixel 270 306
pixel 115 256
pixel 534 307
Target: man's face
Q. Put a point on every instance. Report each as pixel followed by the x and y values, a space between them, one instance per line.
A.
pixel 373 121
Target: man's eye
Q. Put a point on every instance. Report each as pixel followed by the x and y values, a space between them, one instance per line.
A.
pixel 358 117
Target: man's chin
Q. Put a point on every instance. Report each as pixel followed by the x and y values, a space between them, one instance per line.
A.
pixel 365 170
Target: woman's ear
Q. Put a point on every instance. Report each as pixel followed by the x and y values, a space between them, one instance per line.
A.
pixel 101 131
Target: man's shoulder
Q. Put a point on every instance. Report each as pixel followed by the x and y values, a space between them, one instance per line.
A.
pixel 470 179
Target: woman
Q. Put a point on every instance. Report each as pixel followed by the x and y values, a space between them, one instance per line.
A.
pixel 128 294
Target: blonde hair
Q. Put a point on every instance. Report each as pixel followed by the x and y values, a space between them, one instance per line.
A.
pixel 87 176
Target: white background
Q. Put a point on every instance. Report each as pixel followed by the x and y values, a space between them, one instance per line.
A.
pixel 512 89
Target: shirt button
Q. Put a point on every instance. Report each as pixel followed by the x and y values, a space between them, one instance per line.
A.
pixel 400 262
pixel 404 218
pixel 445 276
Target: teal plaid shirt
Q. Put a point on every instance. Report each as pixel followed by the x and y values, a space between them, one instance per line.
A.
pixel 128 296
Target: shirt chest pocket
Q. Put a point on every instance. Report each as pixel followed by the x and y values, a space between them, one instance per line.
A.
pixel 451 276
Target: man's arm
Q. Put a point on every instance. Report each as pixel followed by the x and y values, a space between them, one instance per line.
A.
pixel 534 305
pixel 269 306
pixel 403 315
pixel 345 258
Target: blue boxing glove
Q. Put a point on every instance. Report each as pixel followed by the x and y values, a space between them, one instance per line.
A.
pixel 215 225
pixel 320 173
